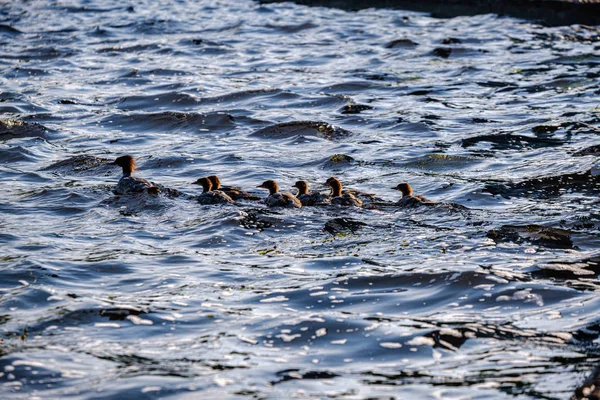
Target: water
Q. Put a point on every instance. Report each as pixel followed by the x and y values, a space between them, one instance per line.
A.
pixel 156 297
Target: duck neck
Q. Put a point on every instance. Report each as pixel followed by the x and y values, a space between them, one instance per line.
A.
pixel 336 189
pixel 126 172
pixel 273 190
pixel 302 190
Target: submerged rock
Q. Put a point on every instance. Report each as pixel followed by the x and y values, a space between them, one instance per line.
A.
pixel 257 219
pixel 510 141
pixel 338 161
pixel 588 151
pixel 400 43
pixel 82 165
pixel 354 108
pixel 338 226
pixel 12 128
pixel 302 128
pixel 535 234
pixel 549 186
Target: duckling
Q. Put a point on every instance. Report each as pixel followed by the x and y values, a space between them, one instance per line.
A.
pixel 129 184
pixel 234 192
pixel 310 198
pixel 276 199
pixel 407 199
pixel 337 197
pixel 210 196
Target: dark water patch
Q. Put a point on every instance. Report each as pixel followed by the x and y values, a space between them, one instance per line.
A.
pixel 137 49
pixel 536 234
pixel 451 40
pixel 10 155
pixel 355 108
pixel 303 128
pixel 347 88
pixel 171 122
pixel 292 28
pixel 508 141
pixel 588 151
pixel 497 84
pixel 252 96
pixel 26 72
pixel 40 54
pixel 585 182
pixel 369 76
pixel 291 374
pixel 162 100
pixel 205 42
pixel 9 30
pixel 482 121
pixel 13 129
pixel 442 52
pixel 90 316
pixel 400 43
pixel 569 269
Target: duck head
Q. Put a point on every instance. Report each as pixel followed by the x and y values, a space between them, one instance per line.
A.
pixel 335 185
pixel 404 188
pixel 216 182
pixel 127 163
pixel 205 183
pixel 271 185
pixel 302 187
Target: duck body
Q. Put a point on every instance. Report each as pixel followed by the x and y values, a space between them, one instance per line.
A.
pixel 214 197
pixel 210 196
pixel 276 199
pixel 313 199
pixel 364 197
pixel 410 200
pixel 286 200
pixel 234 192
pixel 347 200
pixel 339 198
pixel 310 199
pixel 129 184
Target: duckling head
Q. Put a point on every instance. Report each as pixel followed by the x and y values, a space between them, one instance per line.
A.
pixel 205 183
pixel 335 185
pixel 302 187
pixel 216 182
pixel 127 163
pixel 271 185
pixel 404 188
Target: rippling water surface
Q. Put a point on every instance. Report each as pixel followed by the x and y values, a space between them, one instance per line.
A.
pixel 146 297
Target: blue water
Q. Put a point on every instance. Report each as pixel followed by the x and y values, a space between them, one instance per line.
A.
pixel 105 297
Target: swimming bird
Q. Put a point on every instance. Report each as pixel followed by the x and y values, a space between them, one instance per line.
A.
pixel 310 198
pixel 210 196
pixel 129 184
pixel 276 199
pixel 408 199
pixel 343 199
pixel 234 192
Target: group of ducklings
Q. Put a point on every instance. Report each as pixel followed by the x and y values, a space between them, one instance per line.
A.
pixel 214 193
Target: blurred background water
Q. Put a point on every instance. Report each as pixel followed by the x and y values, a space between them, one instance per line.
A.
pixel 110 297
